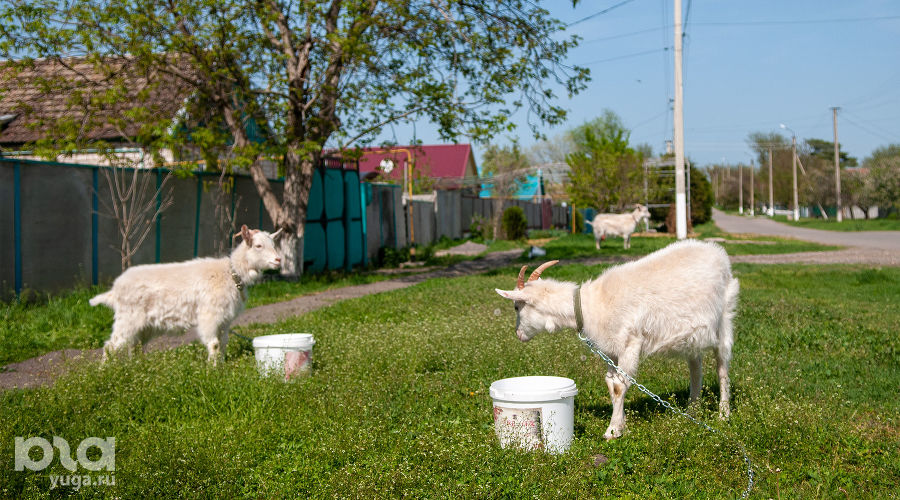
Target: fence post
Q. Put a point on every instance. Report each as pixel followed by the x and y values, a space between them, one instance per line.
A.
pixel 346 220
pixel 158 217
pixel 17 224
pixel 362 214
pixel 94 227
pixel 197 213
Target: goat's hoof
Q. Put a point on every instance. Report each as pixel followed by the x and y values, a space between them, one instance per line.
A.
pixel 612 433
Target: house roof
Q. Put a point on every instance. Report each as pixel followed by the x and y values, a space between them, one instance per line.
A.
pixel 37 95
pixel 449 163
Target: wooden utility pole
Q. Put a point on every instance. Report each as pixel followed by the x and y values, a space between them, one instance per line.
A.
pixel 837 166
pixel 678 135
pixel 741 188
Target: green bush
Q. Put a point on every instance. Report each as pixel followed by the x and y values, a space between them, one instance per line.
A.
pixel 480 227
pixel 579 221
pixel 515 225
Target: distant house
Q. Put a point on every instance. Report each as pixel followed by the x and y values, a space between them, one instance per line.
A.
pixel 543 181
pixel 442 166
pixel 53 94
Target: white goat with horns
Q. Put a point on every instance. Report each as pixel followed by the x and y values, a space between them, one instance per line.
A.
pixel 153 299
pixel 678 300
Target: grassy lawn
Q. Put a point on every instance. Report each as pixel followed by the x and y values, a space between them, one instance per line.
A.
pixel 66 321
pixel 398 404
pixel 583 246
pixel 845 225
pixel 50 322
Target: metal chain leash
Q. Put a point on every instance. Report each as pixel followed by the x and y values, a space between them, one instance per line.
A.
pixel 665 404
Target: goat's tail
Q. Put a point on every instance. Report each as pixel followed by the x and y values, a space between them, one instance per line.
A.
pixel 104 298
pixel 726 327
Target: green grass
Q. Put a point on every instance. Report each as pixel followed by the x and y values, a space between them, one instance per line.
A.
pixel 846 225
pixel 48 322
pixel 572 246
pixel 398 405
pixel 66 321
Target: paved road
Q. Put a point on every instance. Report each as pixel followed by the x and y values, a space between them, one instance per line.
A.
pixel 881 240
pixel 880 248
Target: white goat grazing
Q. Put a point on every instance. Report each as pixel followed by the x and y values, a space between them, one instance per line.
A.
pixel 678 300
pixel 618 224
pixel 153 299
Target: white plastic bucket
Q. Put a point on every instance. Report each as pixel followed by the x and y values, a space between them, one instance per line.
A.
pixel 535 412
pixel 286 355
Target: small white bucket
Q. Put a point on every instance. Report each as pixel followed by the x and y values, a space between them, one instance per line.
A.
pixel 286 355
pixel 535 412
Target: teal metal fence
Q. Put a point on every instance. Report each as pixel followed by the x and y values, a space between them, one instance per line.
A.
pixel 54 236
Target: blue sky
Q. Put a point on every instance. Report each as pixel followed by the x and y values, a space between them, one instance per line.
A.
pixel 749 66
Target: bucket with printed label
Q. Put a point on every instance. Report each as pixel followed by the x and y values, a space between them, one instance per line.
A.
pixel 286 355
pixel 534 413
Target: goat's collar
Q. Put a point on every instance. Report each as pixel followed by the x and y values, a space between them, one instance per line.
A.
pixel 237 279
pixel 579 317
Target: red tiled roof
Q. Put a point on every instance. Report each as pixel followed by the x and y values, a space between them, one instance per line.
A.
pixel 440 161
pixel 45 92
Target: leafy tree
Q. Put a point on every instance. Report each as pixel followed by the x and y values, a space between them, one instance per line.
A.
pixel 762 143
pixel 884 176
pixel 825 150
pixel 604 171
pixel 281 80
pixel 505 167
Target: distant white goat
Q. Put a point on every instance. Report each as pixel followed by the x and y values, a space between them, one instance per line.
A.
pixel 618 224
pixel 679 300
pixel 206 293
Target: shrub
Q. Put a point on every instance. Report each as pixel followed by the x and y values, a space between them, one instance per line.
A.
pixel 480 227
pixel 515 225
pixel 579 221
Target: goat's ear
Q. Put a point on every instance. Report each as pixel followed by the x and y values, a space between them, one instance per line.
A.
pixel 513 294
pixel 245 233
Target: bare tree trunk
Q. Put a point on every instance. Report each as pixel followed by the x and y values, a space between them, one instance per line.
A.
pixel 225 213
pixel 298 180
pixel 135 203
pixel 497 206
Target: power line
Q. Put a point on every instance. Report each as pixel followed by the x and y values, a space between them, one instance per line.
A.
pixel 622 35
pixel 809 21
pixel 867 129
pixel 604 11
pixel 626 56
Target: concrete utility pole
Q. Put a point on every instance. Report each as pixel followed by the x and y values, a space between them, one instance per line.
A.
pixel 678 135
pixel 741 188
pixel 771 189
pixel 794 169
pixel 837 166
pixel 752 175
pixel 794 175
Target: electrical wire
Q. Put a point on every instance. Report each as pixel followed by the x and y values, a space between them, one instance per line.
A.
pixel 604 11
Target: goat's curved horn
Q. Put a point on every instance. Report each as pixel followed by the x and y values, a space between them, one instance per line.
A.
pixel 521 283
pixel 537 272
pixel 277 233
